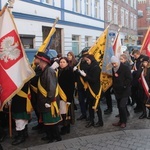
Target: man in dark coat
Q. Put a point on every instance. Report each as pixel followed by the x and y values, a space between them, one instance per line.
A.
pixel 80 85
pixel 47 102
pixel 136 90
pixel 122 88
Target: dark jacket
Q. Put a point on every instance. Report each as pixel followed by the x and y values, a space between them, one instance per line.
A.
pixel 93 78
pixel 122 81
pixel 19 103
pixel 66 82
pixel 48 81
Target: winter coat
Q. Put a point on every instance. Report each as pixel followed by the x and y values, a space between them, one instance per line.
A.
pixel 66 81
pixel 122 81
pixel 48 81
pixel 93 78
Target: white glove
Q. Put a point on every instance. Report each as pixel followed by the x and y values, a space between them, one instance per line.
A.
pixel 75 68
pixel 47 105
pixel 82 73
pixel 55 65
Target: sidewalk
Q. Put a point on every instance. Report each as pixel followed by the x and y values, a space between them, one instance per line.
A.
pixel 136 136
pixel 119 140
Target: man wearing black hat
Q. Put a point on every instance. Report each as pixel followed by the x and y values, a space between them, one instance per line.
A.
pixel 33 85
pixel 47 101
pixel 81 85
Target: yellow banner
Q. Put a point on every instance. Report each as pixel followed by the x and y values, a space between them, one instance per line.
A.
pixel 99 47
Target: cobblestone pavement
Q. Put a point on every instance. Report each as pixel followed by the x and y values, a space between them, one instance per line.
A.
pixel 136 136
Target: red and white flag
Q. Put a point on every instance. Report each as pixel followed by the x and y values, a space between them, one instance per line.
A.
pixel 117 46
pixel 15 69
pixel 145 49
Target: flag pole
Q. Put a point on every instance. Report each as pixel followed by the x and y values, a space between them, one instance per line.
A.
pixel 145 39
pixel 47 40
pixel 3 9
pixel 10 121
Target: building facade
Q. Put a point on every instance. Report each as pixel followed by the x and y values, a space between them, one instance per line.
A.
pixel 80 22
pixel 143 19
pixel 122 13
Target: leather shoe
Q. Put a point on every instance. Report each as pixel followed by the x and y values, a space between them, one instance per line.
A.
pixel 89 124
pixel 116 124
pixel 81 117
pixel 143 116
pixel 107 111
pixel 99 124
pixel 123 125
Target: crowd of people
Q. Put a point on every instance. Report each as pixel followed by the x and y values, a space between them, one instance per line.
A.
pixel 54 87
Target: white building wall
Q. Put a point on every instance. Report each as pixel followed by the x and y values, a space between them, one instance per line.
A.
pixel 73 23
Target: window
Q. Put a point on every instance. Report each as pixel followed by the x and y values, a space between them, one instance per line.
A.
pixel 88 41
pixel 75 44
pixel 47 1
pixel 135 23
pixel 115 14
pixel 127 19
pixel 131 3
pixel 127 1
pixel 122 17
pixel 131 21
pixel 96 11
pixel 87 7
pixel 135 4
pixel 109 13
pixel 77 6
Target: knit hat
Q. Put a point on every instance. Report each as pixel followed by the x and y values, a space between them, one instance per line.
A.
pixel 114 59
pixel 44 57
pixel 38 54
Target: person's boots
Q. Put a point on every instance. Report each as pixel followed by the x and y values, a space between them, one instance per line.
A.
pixel 144 114
pixel 1 148
pixel 100 120
pixel 148 117
pixel 20 138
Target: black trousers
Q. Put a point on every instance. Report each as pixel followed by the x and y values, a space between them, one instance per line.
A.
pixel 92 112
pixel 107 95
pixel 121 103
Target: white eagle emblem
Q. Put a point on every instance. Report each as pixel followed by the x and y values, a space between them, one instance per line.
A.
pixel 9 50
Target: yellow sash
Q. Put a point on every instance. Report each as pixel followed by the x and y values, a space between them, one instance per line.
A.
pixel 54 106
pixel 60 91
pixel 27 96
pixel 97 97
pixel 33 88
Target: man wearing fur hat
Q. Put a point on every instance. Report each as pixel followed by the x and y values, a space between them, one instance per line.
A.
pixel 122 88
pixel 47 102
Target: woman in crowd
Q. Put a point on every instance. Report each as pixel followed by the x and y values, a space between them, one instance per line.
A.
pixel 66 90
pixel 72 62
pixel 122 88
pixel 71 59
pixel 145 86
pixel 92 77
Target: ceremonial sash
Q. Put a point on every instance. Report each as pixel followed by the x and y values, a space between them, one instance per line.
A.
pixel 33 88
pixel 64 97
pixel 27 96
pixel 54 106
pixel 97 97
